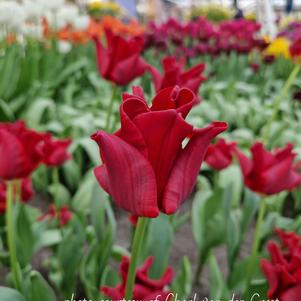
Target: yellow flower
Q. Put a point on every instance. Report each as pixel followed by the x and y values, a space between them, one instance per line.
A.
pixel 100 5
pixel 279 47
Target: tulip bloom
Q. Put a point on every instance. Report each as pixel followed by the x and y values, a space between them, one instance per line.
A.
pixel 295 50
pixel 145 288
pixel 174 74
pixel 26 193
pixel 283 271
pixel 219 155
pixel 55 152
pixel 120 62
pixel 19 150
pixel 269 172
pixel 63 215
pixel 145 167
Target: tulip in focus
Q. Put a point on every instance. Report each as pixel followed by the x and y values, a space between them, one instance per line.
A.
pixel 283 270
pixel 146 168
pixel 145 288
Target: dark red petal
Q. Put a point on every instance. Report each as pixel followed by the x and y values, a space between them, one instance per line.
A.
pixel 128 69
pixel 281 177
pixel 26 189
pixel 292 294
pixel 13 159
pixel 180 99
pixel 101 175
pixel 103 59
pixel 246 163
pixel 157 77
pixel 163 132
pixel 131 179
pixel 186 168
pixel 272 276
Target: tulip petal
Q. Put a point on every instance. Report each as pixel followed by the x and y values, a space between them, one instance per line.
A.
pixel 13 159
pixel 281 176
pixel 130 177
pixel 102 57
pixel 271 274
pixel 292 294
pixel 180 99
pixel 186 168
pixel 163 132
pixel 128 69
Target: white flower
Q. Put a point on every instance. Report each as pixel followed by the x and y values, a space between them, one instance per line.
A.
pixel 51 4
pixel 81 22
pixel 12 15
pixel 64 47
pixel 34 9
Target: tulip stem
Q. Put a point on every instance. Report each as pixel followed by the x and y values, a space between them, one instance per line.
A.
pixel 278 100
pixel 110 108
pixel 137 243
pixel 256 244
pixel 10 235
pixel 56 182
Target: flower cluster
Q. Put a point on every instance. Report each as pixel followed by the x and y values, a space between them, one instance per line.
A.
pixel 200 36
pixel 283 270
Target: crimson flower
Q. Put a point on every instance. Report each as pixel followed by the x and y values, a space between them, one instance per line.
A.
pixel 269 172
pixel 145 288
pixel 19 150
pixel 283 271
pixel 145 167
pixel 219 155
pixel 26 193
pixel 120 62
pixel 295 49
pixel 174 74
pixel 55 152
pixel 63 215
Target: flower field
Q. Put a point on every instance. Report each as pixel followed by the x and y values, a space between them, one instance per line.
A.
pixel 154 161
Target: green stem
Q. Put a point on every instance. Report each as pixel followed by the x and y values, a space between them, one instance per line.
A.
pixel 278 100
pixel 10 235
pixel 110 108
pixel 56 182
pixel 201 261
pixel 136 247
pixel 256 243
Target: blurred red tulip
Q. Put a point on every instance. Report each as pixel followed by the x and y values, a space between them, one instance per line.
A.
pixel 145 288
pixel 19 150
pixel 295 49
pixel 146 169
pixel 219 155
pixel 283 271
pixel 174 74
pixel 120 62
pixel 54 151
pixel 64 215
pixel 269 172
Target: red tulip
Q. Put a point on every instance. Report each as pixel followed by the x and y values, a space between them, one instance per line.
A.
pixel 283 271
pixel 174 74
pixel 146 168
pixel 219 155
pixel 55 152
pixel 145 288
pixel 295 49
pixel 120 62
pixel 26 193
pixel 19 150
pixel 63 215
pixel 269 172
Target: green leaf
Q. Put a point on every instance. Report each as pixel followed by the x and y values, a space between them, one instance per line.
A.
pixel 25 239
pixel 182 284
pixel 40 289
pixel 8 294
pixel 6 113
